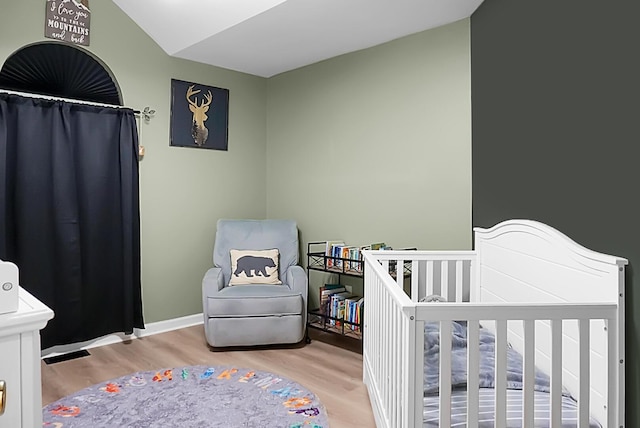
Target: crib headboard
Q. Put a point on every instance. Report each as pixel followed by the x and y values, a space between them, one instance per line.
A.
pixel 524 261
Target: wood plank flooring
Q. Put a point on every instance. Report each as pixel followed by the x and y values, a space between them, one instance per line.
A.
pixel 333 373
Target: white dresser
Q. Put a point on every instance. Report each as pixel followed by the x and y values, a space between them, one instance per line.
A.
pixel 20 362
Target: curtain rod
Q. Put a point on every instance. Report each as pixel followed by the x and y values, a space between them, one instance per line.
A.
pixel 53 98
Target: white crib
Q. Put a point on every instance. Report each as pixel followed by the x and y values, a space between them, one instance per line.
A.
pixel 557 303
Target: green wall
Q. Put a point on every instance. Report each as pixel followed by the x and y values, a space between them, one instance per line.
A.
pixel 370 146
pixel 183 191
pixel 555 89
pixel 376 145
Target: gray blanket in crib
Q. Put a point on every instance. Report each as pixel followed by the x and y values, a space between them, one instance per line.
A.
pixel 459 360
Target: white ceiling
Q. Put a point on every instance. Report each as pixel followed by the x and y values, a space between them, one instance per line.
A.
pixel 268 37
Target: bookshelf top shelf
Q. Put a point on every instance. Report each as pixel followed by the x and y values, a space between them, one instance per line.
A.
pixel 318 260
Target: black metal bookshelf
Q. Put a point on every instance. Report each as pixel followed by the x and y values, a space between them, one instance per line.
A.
pixel 318 260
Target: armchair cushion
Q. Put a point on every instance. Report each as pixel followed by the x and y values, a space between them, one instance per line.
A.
pixel 254 267
pixel 255 300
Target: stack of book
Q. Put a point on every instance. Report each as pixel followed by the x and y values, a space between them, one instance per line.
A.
pixel 353 307
pixel 340 305
pixel 326 292
pixel 344 257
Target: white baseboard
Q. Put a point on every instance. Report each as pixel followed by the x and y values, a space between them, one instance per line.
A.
pixel 149 330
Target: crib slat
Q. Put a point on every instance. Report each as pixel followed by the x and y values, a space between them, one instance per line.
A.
pixel 397 378
pixel 379 338
pixel 445 373
pixel 459 278
pixel 368 342
pixel 384 352
pixel 387 354
pixel 429 278
pixel 380 332
pixel 612 355
pixel 393 377
pixel 388 334
pixel 377 323
pixel 399 362
pixel 444 279
pixel 374 322
pixel 418 363
pixel 584 380
pixel 415 283
pixel 474 282
pixel 556 373
pixel 528 357
pixel 501 374
pixel 389 358
pixel 400 273
pixel 473 369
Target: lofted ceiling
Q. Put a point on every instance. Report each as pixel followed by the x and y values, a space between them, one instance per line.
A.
pixel 268 37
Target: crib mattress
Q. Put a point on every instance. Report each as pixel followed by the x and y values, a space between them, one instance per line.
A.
pixel 514 410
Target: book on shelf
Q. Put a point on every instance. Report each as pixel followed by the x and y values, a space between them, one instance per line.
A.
pixel 329 252
pixel 359 308
pixel 350 310
pixel 336 307
pixel 337 255
pixel 341 256
pixel 378 246
pixel 360 263
pixel 344 257
pixel 351 256
pixel 325 293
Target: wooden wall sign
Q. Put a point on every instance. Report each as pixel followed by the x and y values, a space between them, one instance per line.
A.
pixel 68 21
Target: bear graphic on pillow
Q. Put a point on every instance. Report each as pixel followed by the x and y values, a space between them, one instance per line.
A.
pixel 258 265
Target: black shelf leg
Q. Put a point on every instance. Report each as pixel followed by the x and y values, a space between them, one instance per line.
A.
pixel 307 338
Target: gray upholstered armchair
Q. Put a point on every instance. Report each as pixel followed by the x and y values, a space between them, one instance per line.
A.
pixel 248 313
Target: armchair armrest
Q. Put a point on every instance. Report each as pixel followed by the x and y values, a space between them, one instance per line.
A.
pixel 297 281
pixel 212 282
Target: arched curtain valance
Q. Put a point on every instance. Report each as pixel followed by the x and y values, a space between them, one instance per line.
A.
pixel 60 70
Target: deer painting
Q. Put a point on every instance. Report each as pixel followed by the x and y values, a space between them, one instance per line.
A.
pixel 199 131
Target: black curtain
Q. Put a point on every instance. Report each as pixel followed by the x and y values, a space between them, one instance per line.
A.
pixel 69 213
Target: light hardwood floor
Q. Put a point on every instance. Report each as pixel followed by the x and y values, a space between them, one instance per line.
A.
pixel 333 373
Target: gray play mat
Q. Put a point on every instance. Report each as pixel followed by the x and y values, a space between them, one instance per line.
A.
pixel 185 397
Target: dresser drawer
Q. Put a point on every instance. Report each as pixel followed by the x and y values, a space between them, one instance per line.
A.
pixel 20 362
pixel 10 374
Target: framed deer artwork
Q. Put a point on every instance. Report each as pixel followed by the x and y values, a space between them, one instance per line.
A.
pixel 199 115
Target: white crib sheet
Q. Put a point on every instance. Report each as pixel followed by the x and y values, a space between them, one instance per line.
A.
pixel 514 410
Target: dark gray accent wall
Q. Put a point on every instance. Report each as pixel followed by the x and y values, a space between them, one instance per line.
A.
pixel 556 130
